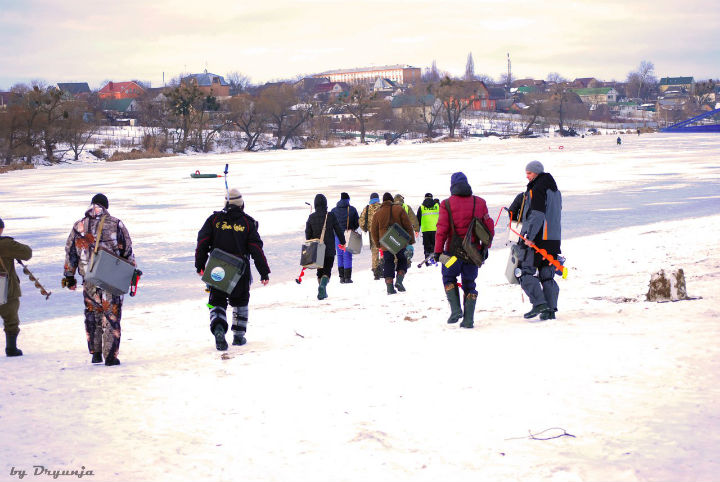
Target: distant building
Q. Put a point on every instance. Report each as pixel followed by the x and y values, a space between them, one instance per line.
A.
pixel 307 85
pixel 208 83
pixel 598 95
pixel 675 83
pixel 121 90
pixel 330 91
pixel 385 85
pixel 76 90
pixel 402 74
pixel 586 83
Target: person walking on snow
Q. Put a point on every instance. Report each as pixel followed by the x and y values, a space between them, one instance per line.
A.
pixel 464 206
pixel 235 232
pixel 313 230
pixel 541 219
pixel 347 217
pixel 366 218
pixel 388 214
pixel 409 250
pixel 10 250
pixel 428 213
pixel 103 310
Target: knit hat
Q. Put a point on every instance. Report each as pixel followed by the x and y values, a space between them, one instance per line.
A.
pixel 344 195
pixel 374 196
pixel 457 178
pixel 427 194
pixel 101 200
pixel 2 224
pixel 387 197
pixel 235 198
pixel 535 166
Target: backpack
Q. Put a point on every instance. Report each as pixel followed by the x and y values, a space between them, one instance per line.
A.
pixel 466 248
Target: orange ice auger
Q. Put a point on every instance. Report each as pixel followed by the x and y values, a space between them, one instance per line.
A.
pixel 546 256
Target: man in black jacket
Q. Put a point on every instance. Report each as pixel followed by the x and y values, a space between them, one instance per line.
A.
pixel 313 230
pixel 234 232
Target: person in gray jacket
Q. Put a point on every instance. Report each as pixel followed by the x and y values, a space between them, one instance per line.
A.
pixel 541 217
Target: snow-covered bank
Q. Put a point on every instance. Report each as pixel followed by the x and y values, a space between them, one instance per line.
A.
pixel 365 386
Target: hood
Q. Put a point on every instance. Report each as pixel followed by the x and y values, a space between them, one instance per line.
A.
pixel 90 213
pixel 429 202
pixel 320 202
pixel 343 203
pixel 545 180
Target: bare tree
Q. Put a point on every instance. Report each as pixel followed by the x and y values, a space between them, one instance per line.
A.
pixel 359 103
pixel 555 78
pixel 456 97
pixel 641 80
pixel 470 68
pixel 284 111
pixel 430 107
pixel 78 128
pixel 244 114
pixel 238 82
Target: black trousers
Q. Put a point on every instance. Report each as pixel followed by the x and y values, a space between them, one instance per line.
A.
pixel 326 270
pixel 428 242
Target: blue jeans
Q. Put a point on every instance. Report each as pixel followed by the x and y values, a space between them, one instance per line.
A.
pixel 344 257
pixel 467 272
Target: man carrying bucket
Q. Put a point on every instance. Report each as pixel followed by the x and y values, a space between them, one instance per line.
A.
pixel 103 310
pixel 234 232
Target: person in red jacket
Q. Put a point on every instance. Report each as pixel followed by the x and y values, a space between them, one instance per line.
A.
pixel 464 207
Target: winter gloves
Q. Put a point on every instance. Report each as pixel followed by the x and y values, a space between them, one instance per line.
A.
pixel 69 282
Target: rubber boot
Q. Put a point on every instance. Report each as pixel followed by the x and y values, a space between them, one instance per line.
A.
pixel 453 296
pixel 11 348
pixel 536 311
pixel 399 280
pixel 470 300
pixel 389 286
pixel 239 325
pixel 341 273
pixel 322 288
pixel 112 360
pixel 97 357
pixel 348 275
pixel 220 342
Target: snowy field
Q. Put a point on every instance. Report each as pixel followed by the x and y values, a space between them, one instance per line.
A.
pixel 363 386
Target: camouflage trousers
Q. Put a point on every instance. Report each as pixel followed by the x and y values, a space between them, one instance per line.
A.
pixel 375 255
pixel 102 320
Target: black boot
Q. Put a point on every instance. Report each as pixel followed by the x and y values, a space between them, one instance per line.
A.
pixel 112 360
pixel 536 311
pixel 341 273
pixel 348 275
pixel 398 281
pixel 11 348
pixel 220 342
pixel 453 296
pixel 97 357
pixel 547 315
pixel 389 286
pixel 470 301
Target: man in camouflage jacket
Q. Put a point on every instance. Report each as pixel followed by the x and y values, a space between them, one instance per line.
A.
pixel 102 310
pixel 366 218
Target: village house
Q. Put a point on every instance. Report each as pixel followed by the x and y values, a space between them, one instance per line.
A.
pixel 208 83
pixel 598 95
pixel 74 90
pixel 675 83
pixel 121 90
pixel 331 91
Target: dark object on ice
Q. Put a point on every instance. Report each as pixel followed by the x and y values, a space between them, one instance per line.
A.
pixel 11 348
pixel 197 175
pixel 97 358
pixel 667 287
pixel 536 310
pixel 112 360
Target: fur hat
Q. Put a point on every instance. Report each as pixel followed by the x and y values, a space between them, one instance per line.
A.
pixel 535 166
pixel 399 198
pixel 101 200
pixel 235 198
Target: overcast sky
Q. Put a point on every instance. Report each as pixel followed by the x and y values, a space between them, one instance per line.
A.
pixel 94 41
